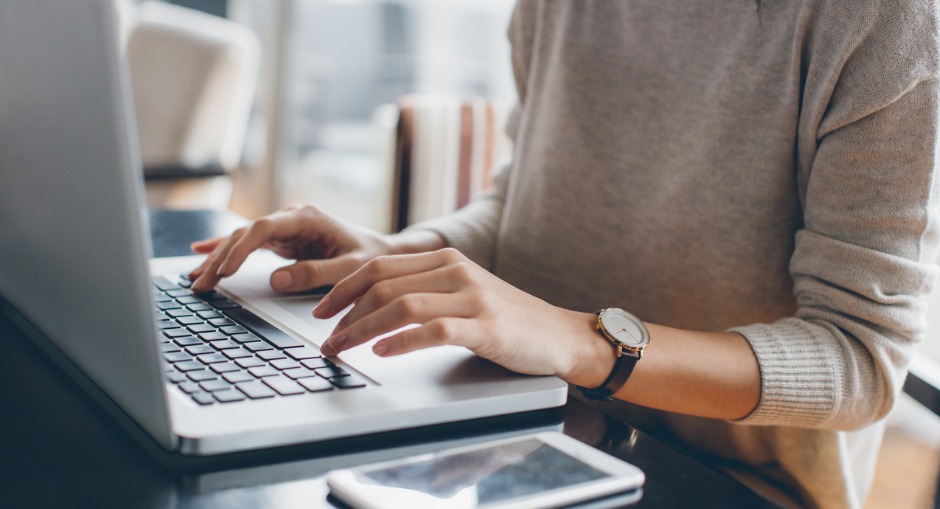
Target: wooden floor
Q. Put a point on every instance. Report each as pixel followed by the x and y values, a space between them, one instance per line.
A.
pixel 909 463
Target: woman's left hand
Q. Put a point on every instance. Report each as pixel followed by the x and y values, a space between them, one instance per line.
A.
pixel 454 301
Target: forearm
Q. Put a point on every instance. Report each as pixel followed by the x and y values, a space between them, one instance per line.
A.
pixel 698 373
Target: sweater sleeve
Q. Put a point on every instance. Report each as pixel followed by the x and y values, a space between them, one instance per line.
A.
pixel 867 250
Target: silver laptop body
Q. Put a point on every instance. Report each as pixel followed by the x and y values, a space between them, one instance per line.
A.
pixel 74 249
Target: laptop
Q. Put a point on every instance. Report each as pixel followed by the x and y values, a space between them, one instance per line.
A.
pixel 75 266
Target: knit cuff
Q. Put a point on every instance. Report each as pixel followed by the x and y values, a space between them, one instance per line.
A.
pixel 471 230
pixel 798 381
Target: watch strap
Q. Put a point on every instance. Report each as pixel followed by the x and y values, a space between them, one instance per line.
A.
pixel 623 368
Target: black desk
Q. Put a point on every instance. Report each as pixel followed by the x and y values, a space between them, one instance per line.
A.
pixel 59 449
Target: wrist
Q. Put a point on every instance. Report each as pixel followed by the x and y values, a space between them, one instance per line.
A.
pixel 414 241
pixel 591 360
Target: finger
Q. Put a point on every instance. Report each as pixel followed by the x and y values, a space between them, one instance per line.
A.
pixel 206 246
pixel 385 292
pixel 277 226
pixel 384 267
pixel 210 261
pixel 410 309
pixel 306 275
pixel 210 273
pixel 440 331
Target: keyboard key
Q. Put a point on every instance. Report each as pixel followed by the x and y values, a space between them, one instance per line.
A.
pixel 249 362
pixel 215 385
pixel 228 396
pixel 264 329
pixel 212 358
pixel 258 346
pixel 238 376
pixel 202 327
pixel 189 387
pixel 270 355
pixel 187 341
pixel 233 329
pixel 316 363
pixel 184 281
pixel 199 306
pixel 236 353
pixel 188 300
pixel 347 382
pixel 245 338
pixel 316 384
pixel 166 323
pixel 220 322
pixel 163 283
pixel 189 365
pixel 165 305
pixel 189 320
pixel 178 313
pixel 168 348
pixel 177 356
pixel 332 372
pixel 256 390
pixel 199 349
pixel 283 386
pixel 175 376
pixel 264 371
pixel 178 292
pixel 175 333
pixel 211 315
pixel 210 295
pixel 285 364
pixel 203 398
pixel 300 373
pixel 224 304
pixel 224 367
pixel 212 336
pixel 225 344
pixel 303 353
pixel 202 375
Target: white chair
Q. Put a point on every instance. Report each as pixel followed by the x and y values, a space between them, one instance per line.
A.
pixel 193 77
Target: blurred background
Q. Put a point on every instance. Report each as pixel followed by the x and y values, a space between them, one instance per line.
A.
pixel 330 76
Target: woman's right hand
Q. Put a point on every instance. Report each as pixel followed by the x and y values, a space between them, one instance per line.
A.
pixel 326 248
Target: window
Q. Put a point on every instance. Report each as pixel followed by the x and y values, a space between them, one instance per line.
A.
pixel 342 66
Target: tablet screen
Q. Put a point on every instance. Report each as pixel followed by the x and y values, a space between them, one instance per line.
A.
pixel 490 475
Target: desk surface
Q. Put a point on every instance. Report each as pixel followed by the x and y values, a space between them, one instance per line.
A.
pixel 60 449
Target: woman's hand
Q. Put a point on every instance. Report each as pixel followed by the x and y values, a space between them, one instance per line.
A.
pixel 327 249
pixel 454 301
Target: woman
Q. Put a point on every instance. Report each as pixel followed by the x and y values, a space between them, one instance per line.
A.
pixel 756 184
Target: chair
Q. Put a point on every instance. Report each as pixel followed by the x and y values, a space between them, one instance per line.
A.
pixel 193 77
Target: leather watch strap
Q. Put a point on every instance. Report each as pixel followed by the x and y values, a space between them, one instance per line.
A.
pixel 618 377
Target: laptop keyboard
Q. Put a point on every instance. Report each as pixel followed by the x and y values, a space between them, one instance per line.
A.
pixel 215 351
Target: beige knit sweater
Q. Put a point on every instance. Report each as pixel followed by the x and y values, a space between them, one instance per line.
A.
pixel 769 172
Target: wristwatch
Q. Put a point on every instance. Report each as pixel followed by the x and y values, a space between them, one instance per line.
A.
pixel 629 338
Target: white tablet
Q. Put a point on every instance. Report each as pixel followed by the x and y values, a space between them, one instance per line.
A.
pixel 533 471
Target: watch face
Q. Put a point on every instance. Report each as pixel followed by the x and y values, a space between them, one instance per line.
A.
pixel 625 328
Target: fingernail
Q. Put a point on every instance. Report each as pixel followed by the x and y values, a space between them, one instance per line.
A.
pixel 281 280
pixel 380 348
pixel 321 310
pixel 197 285
pixel 334 344
pixel 223 270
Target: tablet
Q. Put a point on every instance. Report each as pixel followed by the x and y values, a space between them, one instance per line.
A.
pixel 531 471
